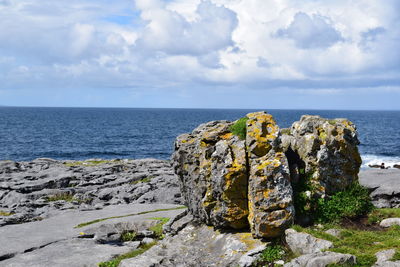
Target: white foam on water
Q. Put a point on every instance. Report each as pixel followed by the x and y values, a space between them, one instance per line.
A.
pixel 377 160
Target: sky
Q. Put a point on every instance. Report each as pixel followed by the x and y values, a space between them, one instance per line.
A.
pixel 288 54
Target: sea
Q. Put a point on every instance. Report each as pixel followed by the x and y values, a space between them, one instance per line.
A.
pixel 27 133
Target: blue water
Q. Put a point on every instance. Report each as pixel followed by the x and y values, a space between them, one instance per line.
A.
pixel 82 133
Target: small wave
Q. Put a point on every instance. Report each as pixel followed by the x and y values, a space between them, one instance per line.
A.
pixel 378 159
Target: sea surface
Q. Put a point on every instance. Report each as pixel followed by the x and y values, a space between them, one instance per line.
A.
pixel 81 133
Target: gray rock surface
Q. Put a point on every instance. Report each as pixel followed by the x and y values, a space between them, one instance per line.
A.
pixel 303 243
pixel 25 187
pixel 390 222
pixel 248 259
pixel 384 185
pixel 53 241
pixel 384 255
pixel 73 252
pixel 321 259
pixel 334 232
pixel 197 246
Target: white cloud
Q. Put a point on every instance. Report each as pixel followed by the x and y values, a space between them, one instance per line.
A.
pixel 185 43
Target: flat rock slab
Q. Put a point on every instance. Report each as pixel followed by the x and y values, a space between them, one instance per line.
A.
pixel 385 186
pixel 75 252
pixel 199 246
pixel 35 236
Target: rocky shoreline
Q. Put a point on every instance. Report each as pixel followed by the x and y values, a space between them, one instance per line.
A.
pixel 249 186
pixel 35 190
pixel 43 193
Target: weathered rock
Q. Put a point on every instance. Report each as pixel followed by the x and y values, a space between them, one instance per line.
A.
pixel 197 246
pixel 25 187
pixel 390 222
pixel 251 257
pixel 270 193
pixel 384 186
pixel 228 182
pixel 303 243
pixel 57 242
pixel 211 166
pixel 334 232
pixel 384 255
pixel 321 259
pixel 324 152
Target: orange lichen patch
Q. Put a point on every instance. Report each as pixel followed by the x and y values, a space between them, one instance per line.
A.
pixel 226 136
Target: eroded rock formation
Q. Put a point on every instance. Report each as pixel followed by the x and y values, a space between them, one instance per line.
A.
pixel 229 182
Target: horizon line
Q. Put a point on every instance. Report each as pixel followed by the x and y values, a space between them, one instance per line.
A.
pixel 210 108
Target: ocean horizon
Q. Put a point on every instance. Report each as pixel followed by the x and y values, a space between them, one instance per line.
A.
pixel 78 133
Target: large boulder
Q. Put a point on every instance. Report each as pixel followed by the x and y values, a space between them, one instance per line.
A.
pixel 211 166
pixel 228 182
pixel 323 151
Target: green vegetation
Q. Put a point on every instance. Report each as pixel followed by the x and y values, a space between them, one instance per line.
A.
pixel 239 128
pixel 272 253
pixel 87 163
pixel 61 196
pixel 5 213
pixel 361 243
pixel 144 180
pixel 128 236
pixel 305 201
pixel 116 261
pixel 350 203
pixel 127 215
pixel 353 202
pixel 378 215
pixel 158 228
pixel 332 122
pixel 66 197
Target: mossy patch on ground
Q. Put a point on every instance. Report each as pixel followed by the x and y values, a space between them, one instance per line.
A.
pixel 66 197
pixel 144 180
pixel 61 196
pixel 5 213
pixel 117 260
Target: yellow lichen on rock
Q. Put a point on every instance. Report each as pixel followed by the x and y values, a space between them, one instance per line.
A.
pixel 269 186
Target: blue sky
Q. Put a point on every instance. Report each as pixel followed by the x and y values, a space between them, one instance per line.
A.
pixel 318 54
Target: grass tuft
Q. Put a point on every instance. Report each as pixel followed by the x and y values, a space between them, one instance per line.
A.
pixel 239 128
pixel 158 228
pixel 353 202
pixel 116 261
pixel 128 236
